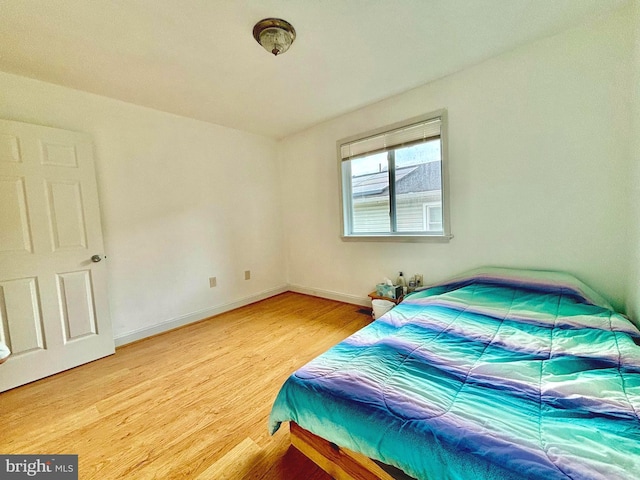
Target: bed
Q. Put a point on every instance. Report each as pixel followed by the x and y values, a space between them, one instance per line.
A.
pixel 495 374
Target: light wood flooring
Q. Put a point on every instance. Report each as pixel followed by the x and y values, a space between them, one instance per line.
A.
pixel 192 403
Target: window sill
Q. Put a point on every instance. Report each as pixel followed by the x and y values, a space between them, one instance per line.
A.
pixel 409 238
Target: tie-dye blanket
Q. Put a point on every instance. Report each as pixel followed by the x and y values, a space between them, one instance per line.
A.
pixel 493 375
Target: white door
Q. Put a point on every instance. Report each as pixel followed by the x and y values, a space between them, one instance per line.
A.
pixel 53 297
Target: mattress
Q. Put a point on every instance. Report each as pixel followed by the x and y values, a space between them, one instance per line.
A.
pixel 496 374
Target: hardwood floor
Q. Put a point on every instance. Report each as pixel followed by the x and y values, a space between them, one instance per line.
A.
pixel 190 403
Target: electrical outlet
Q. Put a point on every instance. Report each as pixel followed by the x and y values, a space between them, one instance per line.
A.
pixel 213 282
pixel 247 274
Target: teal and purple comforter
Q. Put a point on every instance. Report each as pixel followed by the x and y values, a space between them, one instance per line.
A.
pixel 493 375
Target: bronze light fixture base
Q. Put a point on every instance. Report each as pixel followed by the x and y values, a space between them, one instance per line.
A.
pixel 274 34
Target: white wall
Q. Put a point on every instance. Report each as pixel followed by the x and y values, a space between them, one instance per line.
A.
pixel 633 287
pixel 539 168
pixel 182 200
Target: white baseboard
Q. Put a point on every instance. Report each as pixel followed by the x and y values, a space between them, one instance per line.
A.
pixel 195 316
pixel 210 312
pixel 331 295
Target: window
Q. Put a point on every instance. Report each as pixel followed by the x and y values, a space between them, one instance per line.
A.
pixel 394 181
pixel 432 217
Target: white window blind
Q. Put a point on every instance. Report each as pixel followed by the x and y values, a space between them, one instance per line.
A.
pixel 400 137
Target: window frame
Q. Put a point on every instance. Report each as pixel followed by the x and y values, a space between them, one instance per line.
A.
pixel 346 196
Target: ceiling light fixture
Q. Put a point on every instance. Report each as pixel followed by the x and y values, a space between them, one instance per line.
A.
pixel 274 34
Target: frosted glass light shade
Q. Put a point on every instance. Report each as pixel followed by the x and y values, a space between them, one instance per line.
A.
pixel 274 34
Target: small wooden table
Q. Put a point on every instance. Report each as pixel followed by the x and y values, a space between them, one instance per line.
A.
pixel 375 296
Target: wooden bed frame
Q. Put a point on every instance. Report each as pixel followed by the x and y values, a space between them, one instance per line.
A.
pixel 340 463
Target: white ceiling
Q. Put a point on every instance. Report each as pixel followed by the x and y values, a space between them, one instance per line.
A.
pixel 198 58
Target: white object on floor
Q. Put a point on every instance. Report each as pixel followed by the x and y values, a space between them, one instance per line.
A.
pixel 4 352
pixel 380 307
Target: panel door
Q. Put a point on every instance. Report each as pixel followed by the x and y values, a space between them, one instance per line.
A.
pixel 53 298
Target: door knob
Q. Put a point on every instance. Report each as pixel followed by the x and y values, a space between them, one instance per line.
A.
pixel 96 258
